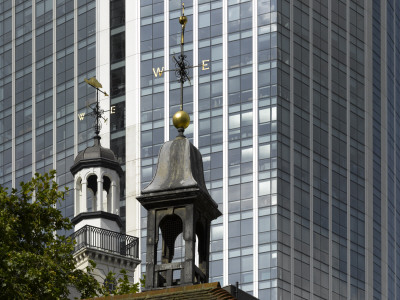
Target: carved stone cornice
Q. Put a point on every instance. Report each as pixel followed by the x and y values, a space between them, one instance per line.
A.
pixel 101 256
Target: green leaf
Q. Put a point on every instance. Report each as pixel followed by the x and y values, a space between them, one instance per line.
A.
pixel 35 262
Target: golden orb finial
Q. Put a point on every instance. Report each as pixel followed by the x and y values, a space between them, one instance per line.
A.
pixel 183 21
pixel 183 18
pixel 181 119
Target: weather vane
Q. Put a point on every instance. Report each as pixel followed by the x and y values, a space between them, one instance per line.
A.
pixel 97 112
pixel 182 66
pixel 181 119
pixel 181 71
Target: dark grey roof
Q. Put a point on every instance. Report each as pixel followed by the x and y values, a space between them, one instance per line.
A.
pixel 97 215
pixel 96 156
pixel 179 179
pixel 204 291
pixel 180 166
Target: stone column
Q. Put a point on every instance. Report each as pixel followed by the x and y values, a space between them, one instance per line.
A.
pixel 113 197
pixel 83 198
pixel 99 195
pixel 77 197
pixel 204 265
pixel 189 235
pixel 151 256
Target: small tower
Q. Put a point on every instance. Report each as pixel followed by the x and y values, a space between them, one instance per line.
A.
pixel 177 202
pixel 97 174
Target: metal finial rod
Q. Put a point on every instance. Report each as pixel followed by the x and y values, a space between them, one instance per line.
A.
pixel 181 119
pixel 98 114
pixel 181 96
pixel 182 72
pixel 96 111
pixel 183 21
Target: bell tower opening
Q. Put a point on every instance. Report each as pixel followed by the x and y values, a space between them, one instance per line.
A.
pixel 92 193
pixel 106 194
pixel 170 247
pixel 170 227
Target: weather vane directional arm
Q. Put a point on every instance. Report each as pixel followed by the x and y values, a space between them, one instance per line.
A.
pixel 158 72
pixel 97 112
pixel 181 70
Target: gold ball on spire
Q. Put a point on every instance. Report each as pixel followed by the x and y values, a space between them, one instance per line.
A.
pixel 183 20
pixel 181 119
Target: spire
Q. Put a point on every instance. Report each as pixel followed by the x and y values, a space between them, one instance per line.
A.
pixel 183 21
pixel 181 119
pixel 178 202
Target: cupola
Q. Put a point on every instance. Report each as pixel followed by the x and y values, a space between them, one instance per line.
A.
pixel 97 176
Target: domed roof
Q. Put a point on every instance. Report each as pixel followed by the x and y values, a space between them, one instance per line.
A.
pixel 96 156
pixel 179 178
pixel 179 166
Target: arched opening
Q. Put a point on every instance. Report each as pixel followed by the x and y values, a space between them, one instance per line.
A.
pixel 107 193
pixel 91 203
pixel 170 247
pixel 170 226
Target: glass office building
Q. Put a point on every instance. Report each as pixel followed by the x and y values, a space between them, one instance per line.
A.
pixel 295 108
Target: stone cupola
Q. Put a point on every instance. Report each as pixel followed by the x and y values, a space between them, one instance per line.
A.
pixel 177 201
pixel 97 176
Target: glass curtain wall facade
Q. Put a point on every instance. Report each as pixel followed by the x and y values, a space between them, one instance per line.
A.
pixel 47 48
pixel 117 89
pixel 240 166
pixel 291 134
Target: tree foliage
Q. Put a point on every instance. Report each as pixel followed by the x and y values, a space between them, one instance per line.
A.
pixel 121 286
pixel 35 262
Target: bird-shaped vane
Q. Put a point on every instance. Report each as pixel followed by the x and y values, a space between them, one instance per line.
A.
pixel 97 85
